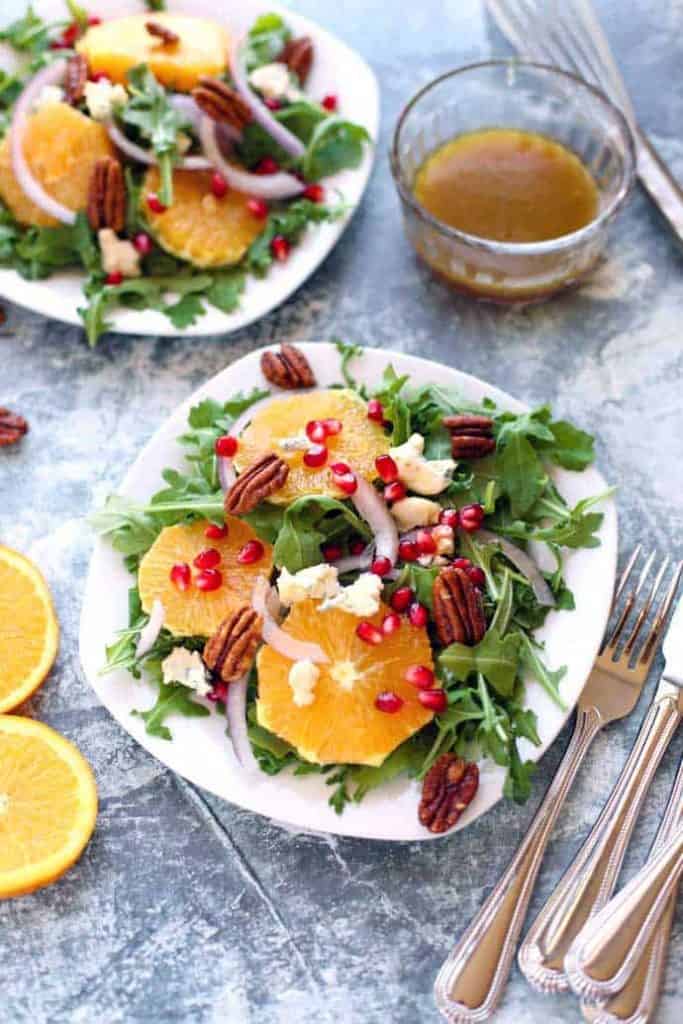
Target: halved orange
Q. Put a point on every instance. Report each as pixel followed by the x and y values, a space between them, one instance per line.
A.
pixel 359 443
pixel 29 632
pixel 342 725
pixel 197 226
pixel 48 805
pixel 195 612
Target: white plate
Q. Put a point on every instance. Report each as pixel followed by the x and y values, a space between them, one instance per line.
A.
pixel 336 69
pixel 200 750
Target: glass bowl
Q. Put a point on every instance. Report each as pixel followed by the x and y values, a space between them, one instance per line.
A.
pixel 529 97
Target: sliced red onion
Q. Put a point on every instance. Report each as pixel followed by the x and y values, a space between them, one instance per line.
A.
pixel 281 135
pixel 359 562
pixel 373 508
pixel 236 714
pixel 150 632
pixel 524 563
pixel 266 186
pixel 277 638
pixel 226 473
pixel 146 156
pixel 50 75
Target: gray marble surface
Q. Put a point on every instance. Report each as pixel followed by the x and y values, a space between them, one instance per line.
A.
pixel 184 908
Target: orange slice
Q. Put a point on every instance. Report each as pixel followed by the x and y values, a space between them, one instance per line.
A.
pixel 195 612
pixel 359 443
pixel 61 146
pixel 48 805
pixel 198 227
pixel 29 633
pixel 342 725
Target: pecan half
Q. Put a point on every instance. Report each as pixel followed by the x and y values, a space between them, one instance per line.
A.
pixel 229 653
pixel 75 77
pixel 107 195
pixel 298 56
pixel 221 103
pixel 448 788
pixel 259 481
pixel 12 427
pixel 471 436
pixel 167 36
pixel 458 608
pixel 288 369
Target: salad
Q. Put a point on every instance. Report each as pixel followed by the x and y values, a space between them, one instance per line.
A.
pixel 345 572
pixel 164 157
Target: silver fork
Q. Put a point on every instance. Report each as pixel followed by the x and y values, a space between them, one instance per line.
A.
pixel 471 980
pixel 568 33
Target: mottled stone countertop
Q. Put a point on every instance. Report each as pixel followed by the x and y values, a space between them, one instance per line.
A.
pixel 184 908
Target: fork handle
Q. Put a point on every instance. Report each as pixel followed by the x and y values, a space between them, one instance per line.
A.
pixel 590 881
pixel 659 183
pixel 471 980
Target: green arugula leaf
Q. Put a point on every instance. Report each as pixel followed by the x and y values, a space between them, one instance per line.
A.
pixel 226 290
pixel 550 681
pixel 496 658
pixel 290 222
pixel 78 13
pixel 347 351
pixel 517 784
pixel 150 112
pixel 129 529
pixel 571 448
pixel 29 33
pixel 185 311
pixel 266 521
pixel 308 522
pixel 420 579
pixel 301 118
pixel 406 759
pixel 396 408
pixel 266 40
pixel 171 699
pixel 534 425
pixel 334 145
pixel 523 478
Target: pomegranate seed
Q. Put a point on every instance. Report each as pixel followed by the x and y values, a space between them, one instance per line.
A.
pixel 219 185
pixel 390 623
pixel 329 102
pixel 331 552
pixel 368 633
pixel 315 456
pixel 394 492
pixel 401 598
pixel 332 427
pixel 71 34
pixel 209 558
pixel 316 193
pixel 59 44
pixel 280 248
pixel 375 410
pixel 143 243
pixel 315 431
pixel 408 551
pixel 435 700
pixel 417 614
pixel 155 204
pixel 425 542
pixel 181 575
pixel 209 579
pixel 116 277
pixel 258 208
pixel 462 563
pixel 346 482
pixel 420 676
pixel 477 576
pixel 99 76
pixel 389 702
pixel 94 19
pixel 219 691
pixel 267 166
pixel 272 103
pixel 226 445
pixel 213 532
pixel 387 469
pixel 450 517
pixel 251 552
pixel 340 468
pixel 356 547
pixel 471 517
pixel 381 566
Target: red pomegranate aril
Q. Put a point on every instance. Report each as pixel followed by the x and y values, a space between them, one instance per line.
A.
pixel 143 243
pixel 315 456
pixel 389 702
pixel 340 468
pixel 357 547
pixel 315 431
pixel 280 248
pixel 272 103
pixel 329 102
pixel 390 623
pixel 99 76
pixel 71 34
pixel 332 427
pixel 462 563
pixel 420 676
pixel 226 446
pixel 219 185
pixel 477 576
pixel 426 545
pixel 267 166
pixel 471 517
pixel 408 551
pixel 331 552
pixel 59 44
pixel 346 482
pixel 375 410
pixel 115 277
pixel 401 599
pixel 252 552
pixel 387 470
pixel 381 566
pixel 214 532
pixel 209 579
pixel 369 634
pixel 258 208
pixel 435 700
pixel 417 614
pixel 219 691
pixel 155 204
pixel 181 575
pixel 316 193
pixel 450 517
pixel 394 492
pixel 94 19
pixel 209 558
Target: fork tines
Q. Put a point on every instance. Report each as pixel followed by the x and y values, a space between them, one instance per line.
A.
pixel 615 636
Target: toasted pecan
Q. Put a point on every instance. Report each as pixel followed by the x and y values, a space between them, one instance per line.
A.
pixel 458 608
pixel 298 56
pixel 257 482
pixel 166 35
pixel 107 195
pixel 449 787
pixel 230 652
pixel 288 369
pixel 221 103
pixel 471 435
pixel 12 427
pixel 75 77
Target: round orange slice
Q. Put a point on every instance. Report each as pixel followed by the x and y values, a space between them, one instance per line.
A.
pixel 48 805
pixel 359 442
pixel 196 612
pixel 342 724
pixel 29 632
